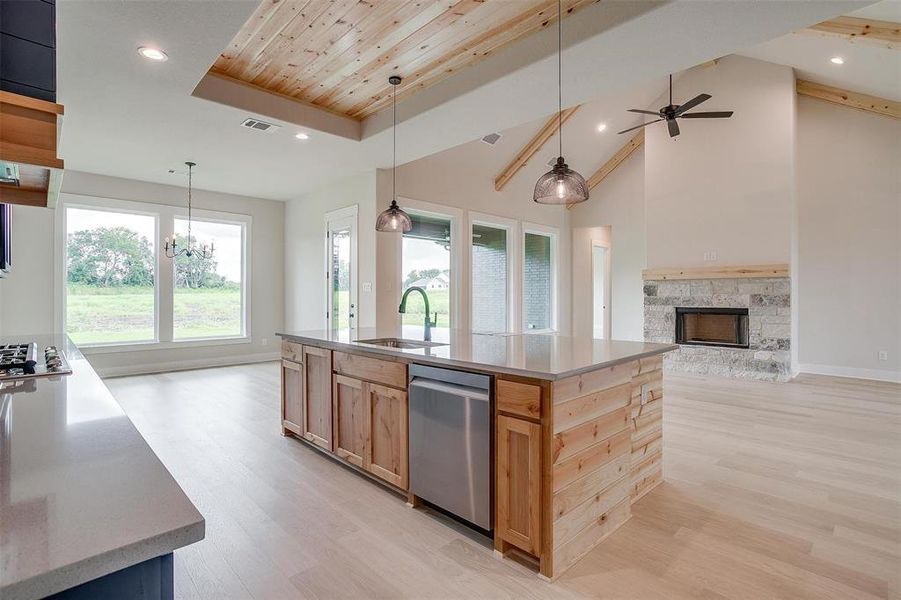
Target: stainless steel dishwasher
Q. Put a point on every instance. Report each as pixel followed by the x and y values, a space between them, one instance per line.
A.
pixel 450 441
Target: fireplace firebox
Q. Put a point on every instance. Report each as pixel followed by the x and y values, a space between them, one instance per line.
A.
pixel 712 326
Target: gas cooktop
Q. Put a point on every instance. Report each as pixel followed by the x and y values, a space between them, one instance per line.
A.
pixel 22 361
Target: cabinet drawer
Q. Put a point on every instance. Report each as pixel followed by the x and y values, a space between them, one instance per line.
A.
pixel 371 369
pixel 292 351
pixel 521 399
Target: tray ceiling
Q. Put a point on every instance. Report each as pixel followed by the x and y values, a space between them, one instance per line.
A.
pixel 338 54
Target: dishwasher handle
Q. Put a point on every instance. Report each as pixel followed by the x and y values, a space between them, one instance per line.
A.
pixel 468 392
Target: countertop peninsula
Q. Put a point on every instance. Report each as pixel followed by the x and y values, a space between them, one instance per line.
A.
pixel 81 493
pixel 537 355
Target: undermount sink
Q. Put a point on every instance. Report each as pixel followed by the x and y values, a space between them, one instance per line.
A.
pixel 400 343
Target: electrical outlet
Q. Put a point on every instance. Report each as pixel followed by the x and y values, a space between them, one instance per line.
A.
pixel 883 355
pixel 264 341
pixel 710 256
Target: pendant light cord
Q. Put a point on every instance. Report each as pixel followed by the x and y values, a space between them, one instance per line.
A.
pixel 560 75
pixel 190 166
pixel 394 149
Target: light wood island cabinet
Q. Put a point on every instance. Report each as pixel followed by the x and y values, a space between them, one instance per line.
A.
pixel 571 454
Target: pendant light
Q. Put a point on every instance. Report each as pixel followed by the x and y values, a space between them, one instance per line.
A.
pixel 171 249
pixel 560 185
pixel 393 218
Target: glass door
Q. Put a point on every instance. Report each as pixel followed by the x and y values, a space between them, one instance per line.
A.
pixel 341 274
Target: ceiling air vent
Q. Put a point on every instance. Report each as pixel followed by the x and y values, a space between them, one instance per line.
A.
pixel 260 125
pixel 491 139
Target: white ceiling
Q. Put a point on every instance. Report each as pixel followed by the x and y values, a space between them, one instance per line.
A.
pixel 130 118
pixel 868 68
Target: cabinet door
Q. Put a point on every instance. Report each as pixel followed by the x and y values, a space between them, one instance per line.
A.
pixel 387 447
pixel 350 419
pixel 292 397
pixel 317 391
pixel 518 518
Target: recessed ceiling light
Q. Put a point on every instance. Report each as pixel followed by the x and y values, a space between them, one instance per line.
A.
pixel 601 127
pixel 153 54
pixel 837 60
pixel 302 136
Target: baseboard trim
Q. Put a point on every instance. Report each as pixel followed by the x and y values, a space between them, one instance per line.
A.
pixel 185 365
pixel 852 372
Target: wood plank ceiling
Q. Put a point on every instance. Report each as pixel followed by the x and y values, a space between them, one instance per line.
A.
pixel 338 54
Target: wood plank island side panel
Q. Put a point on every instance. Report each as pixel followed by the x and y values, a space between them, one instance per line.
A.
pixel 569 553
pixel 517 398
pixel 582 409
pixel 575 439
pixel 590 512
pixel 591 459
pixel 593 381
pixel 585 488
pixel 379 370
pixel 646 431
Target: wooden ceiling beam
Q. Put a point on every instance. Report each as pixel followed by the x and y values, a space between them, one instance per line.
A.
pixel 534 145
pixel 616 160
pixel 854 29
pixel 873 104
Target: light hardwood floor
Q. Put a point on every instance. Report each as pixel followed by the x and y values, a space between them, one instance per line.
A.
pixel 772 491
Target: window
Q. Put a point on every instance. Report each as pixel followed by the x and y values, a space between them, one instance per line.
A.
pixel 110 276
pixel 427 264
pixel 538 280
pixel 209 294
pixel 121 289
pixel 490 278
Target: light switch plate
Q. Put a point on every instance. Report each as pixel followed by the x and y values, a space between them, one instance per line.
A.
pixel 367 286
pixel 645 393
pixel 883 355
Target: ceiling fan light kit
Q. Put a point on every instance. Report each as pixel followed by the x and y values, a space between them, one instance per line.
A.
pixel 671 112
pixel 560 185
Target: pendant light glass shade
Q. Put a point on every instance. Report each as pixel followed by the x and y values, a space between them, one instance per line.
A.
pixel 393 218
pixel 560 185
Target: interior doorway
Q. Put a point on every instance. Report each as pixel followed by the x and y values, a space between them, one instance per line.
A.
pixel 341 270
pixel 600 283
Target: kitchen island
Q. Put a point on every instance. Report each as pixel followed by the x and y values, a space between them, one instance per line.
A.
pixel 577 424
pixel 86 507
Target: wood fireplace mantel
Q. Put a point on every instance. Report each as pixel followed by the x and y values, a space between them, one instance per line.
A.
pixel 718 272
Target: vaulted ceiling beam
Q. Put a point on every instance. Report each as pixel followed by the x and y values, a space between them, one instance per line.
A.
pixel 882 33
pixel 529 150
pixel 873 104
pixel 616 160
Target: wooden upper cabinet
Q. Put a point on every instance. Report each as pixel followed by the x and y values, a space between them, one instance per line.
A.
pixel 292 397
pixel 317 396
pixel 387 434
pixel 518 495
pixel 350 419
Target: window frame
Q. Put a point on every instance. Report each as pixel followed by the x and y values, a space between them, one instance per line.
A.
pixel 164 278
pixel 554 234
pixel 511 226
pixel 455 216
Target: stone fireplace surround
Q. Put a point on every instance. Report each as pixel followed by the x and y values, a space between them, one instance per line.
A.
pixel 768 300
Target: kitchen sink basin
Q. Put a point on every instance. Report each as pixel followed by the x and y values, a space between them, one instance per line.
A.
pixel 400 343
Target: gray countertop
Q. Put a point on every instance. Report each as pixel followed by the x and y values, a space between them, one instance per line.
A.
pixel 541 356
pixel 81 492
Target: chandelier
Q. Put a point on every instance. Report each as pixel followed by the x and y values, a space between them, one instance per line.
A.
pixel 172 250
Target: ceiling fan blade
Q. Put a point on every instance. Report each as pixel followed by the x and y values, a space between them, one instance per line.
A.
pixel 638 126
pixel 673 127
pixel 723 114
pixel 692 103
pixel 644 112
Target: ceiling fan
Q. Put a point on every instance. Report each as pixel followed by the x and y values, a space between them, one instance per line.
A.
pixel 671 112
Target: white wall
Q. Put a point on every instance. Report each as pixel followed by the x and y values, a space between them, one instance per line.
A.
pixel 618 203
pixel 849 216
pixel 305 250
pixel 29 291
pixel 724 185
